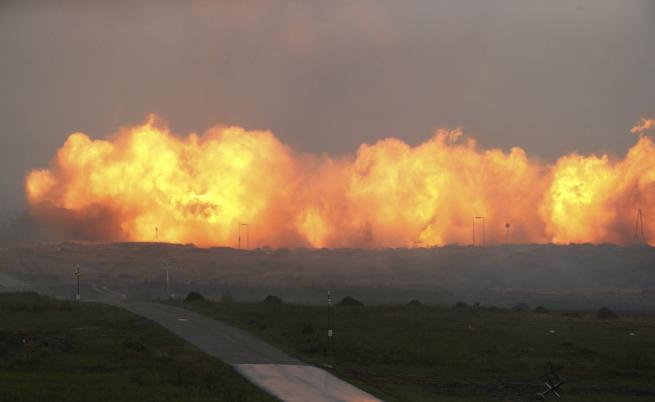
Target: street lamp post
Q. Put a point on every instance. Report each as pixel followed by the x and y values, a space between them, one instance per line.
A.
pixel 77 276
pixel 329 320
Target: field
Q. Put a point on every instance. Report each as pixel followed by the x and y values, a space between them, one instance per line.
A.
pixel 52 350
pixel 429 353
pixel 566 277
pixel 398 352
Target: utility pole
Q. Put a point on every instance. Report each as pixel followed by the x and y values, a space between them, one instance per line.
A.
pixel 247 226
pixel 639 227
pixel 507 226
pixel 77 276
pixel 168 279
pixel 329 320
pixel 156 233
pixel 483 229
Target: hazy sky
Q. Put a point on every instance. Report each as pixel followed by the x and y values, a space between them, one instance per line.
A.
pixel 549 76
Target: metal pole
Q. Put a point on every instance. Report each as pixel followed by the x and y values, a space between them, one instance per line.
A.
pixel 473 231
pixel 329 323
pixel 483 235
pixel 77 275
pixel 168 282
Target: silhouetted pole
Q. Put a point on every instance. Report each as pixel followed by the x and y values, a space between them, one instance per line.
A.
pixel 77 276
pixel 168 280
pixel 247 226
pixel 507 226
pixel 639 226
pixel 483 229
pixel 329 320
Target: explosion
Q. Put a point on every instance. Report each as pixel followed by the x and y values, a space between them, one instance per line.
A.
pixel 146 184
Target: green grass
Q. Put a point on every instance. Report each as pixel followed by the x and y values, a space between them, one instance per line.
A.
pixel 53 350
pixel 403 353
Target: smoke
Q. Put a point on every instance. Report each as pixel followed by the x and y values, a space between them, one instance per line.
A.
pixel 644 124
pixel 146 184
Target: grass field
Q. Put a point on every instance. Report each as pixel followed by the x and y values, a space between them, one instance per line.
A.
pixel 420 353
pixel 52 350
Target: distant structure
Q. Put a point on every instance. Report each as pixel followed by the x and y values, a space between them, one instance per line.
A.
pixel 482 218
pixel 639 227
pixel 247 232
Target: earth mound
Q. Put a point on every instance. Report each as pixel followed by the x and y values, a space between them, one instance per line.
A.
pixel 272 300
pixel 194 297
pixel 349 302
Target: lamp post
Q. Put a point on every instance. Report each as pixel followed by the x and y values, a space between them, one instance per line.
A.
pixel 247 226
pixel 482 218
pixel 329 320
pixel 77 276
pixel 168 279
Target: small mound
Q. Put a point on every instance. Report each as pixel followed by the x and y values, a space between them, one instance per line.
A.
pixel 461 304
pixel 194 297
pixel 414 302
pixel 521 307
pixel 571 314
pixel 349 302
pixel 272 300
pixel 606 314
pixel 541 310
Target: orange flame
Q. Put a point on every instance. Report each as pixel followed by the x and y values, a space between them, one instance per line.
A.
pixel 146 184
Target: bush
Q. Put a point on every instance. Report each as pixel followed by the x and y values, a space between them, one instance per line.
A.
pixel 606 314
pixel 461 304
pixel 541 310
pixel 194 297
pixel 308 330
pixel 521 307
pixel 272 300
pixel 414 303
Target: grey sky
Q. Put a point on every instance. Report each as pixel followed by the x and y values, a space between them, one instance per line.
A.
pixel 549 76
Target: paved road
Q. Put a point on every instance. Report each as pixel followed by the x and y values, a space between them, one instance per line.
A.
pixel 271 369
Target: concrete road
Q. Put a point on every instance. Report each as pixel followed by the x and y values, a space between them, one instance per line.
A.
pixel 271 369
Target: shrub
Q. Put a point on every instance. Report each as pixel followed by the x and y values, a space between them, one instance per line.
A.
pixel 606 314
pixel 272 300
pixel 461 304
pixel 194 297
